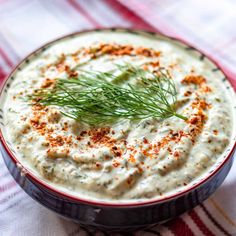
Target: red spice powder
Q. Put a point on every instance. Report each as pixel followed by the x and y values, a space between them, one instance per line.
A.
pixel 48 83
pixel 56 141
pixel 98 165
pixel 194 79
pixel 115 164
pixel 176 154
pixel 132 159
pixel 187 93
pixel 215 131
pixel 145 141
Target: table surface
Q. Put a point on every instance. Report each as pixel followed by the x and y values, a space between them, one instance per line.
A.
pixel 25 25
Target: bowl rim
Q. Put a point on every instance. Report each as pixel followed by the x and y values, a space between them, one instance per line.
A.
pixel 28 173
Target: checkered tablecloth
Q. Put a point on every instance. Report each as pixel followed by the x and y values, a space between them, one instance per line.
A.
pixel 206 24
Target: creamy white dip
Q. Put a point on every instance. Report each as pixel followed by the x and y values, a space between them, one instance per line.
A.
pixel 127 160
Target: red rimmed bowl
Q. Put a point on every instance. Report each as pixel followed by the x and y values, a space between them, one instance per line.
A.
pixel 106 215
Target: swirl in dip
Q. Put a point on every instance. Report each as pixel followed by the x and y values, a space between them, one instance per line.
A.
pixel 127 159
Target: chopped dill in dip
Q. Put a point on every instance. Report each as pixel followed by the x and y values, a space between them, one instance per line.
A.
pixel 118 116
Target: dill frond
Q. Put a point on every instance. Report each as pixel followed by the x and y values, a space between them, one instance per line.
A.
pixel 96 97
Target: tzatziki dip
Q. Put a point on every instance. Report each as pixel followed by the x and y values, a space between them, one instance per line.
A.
pixel 119 116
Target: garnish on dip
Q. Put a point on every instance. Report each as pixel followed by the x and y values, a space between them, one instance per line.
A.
pixel 96 97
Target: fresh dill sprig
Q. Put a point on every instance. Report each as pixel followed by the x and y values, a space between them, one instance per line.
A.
pixel 103 97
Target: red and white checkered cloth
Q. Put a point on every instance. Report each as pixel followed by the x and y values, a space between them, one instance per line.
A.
pixel 25 25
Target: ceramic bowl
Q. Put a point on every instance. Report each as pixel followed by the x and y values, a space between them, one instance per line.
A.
pixel 109 216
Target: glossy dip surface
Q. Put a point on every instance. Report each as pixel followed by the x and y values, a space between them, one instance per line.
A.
pixel 128 160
